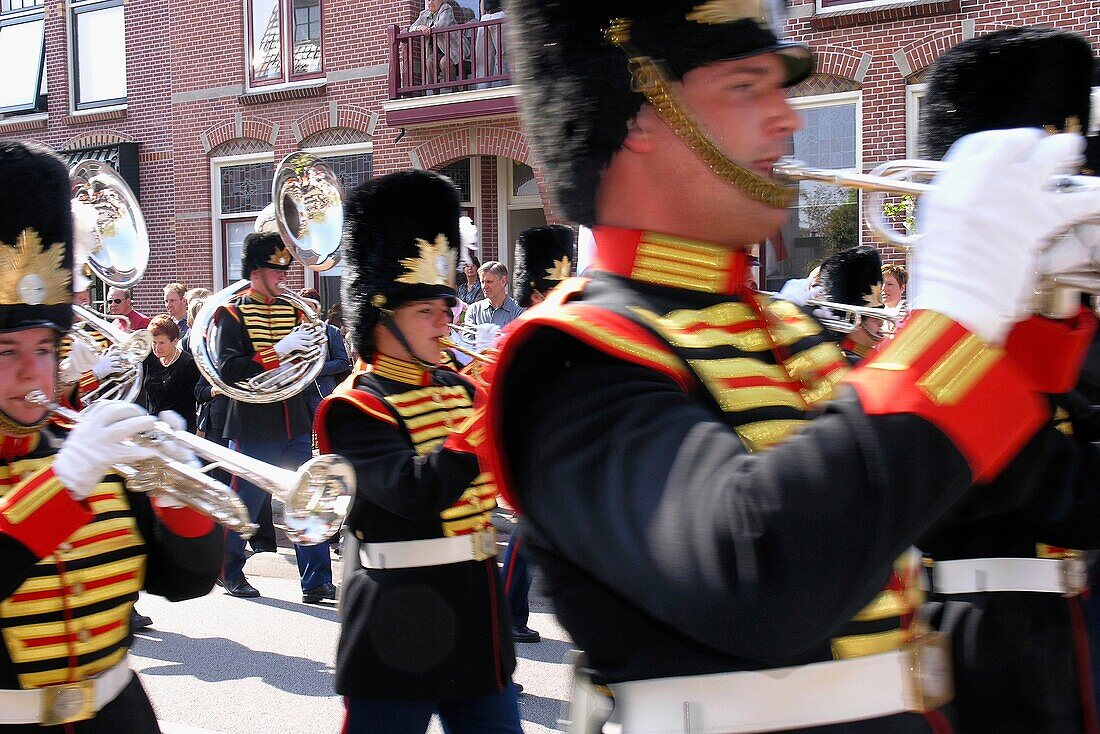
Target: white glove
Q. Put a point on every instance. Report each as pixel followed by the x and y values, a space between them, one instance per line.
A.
pixel 176 450
pixel 796 290
pixel 485 336
pixel 98 442
pixel 1078 250
pixel 295 341
pixel 107 365
pixel 81 359
pixel 985 223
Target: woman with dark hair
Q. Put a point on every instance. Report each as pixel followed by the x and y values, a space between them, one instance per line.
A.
pixel 469 290
pixel 170 372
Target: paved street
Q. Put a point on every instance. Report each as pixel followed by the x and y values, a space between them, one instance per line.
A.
pixel 253 666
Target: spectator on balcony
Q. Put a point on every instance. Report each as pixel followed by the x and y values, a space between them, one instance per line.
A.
pixel 443 52
pixel 490 53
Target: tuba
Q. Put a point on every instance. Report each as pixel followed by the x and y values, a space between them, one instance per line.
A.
pixel 307 211
pixel 112 242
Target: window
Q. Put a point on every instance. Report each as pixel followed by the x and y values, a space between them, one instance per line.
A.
pixel 99 54
pixel 914 102
pixel 524 183
pixel 826 218
pixel 22 56
pixel 466 11
pixel 827 5
pixel 459 172
pixel 284 41
pixel 241 190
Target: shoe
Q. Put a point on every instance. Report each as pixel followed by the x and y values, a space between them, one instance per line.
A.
pixel 240 588
pixel 519 687
pixel 139 621
pixel 525 634
pixel 317 594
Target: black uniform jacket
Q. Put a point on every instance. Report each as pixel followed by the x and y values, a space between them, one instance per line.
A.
pixel 652 424
pixel 437 633
pixel 1021 658
pixel 247 331
pixel 70 571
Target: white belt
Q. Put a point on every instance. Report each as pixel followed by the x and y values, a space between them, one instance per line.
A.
pixel 67 702
pixel 435 552
pixel 1066 576
pixel 916 678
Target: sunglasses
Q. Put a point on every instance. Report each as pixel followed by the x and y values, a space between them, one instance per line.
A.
pixel 115 300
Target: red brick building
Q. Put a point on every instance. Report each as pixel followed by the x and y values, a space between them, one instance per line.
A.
pixel 197 103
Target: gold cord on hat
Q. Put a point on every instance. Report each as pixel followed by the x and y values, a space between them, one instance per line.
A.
pixel 648 77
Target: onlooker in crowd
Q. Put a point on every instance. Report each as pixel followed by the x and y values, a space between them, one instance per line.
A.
pixel 492 313
pixel 469 290
pixel 490 51
pixel 337 362
pixel 120 302
pixel 170 372
pixel 894 282
pixel 497 307
pixel 444 52
pixel 194 295
pixel 212 404
pixel 175 303
pixel 336 318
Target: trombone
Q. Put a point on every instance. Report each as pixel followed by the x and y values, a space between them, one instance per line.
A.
pixel 316 497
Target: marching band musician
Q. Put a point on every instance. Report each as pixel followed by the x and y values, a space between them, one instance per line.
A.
pixel 544 258
pixel 75 546
pixel 854 277
pixel 1002 577
pixel 704 543
pixel 255 333
pixel 425 624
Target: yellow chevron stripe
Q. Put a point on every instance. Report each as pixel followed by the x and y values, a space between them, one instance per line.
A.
pixel 18 637
pixel 749 398
pixel 81 672
pixel 453 415
pixel 857 646
pixel 958 371
pixel 718 369
pixel 763 434
pixel 887 604
pixel 923 330
pixel 458 527
pixel 10 608
pixel 33 501
pixel 132 538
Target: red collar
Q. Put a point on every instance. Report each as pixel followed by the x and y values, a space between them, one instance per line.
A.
pixel 670 261
pixel 14 447
pixel 255 295
pixel 399 370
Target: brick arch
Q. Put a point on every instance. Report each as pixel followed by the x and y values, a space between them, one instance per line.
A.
pixel 97 138
pixel 841 61
pixel 334 115
pixel 254 128
pixel 918 56
pixel 495 141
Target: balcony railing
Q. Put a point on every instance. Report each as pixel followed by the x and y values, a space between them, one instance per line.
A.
pixel 452 59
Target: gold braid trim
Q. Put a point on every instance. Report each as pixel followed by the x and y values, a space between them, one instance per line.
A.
pixel 649 78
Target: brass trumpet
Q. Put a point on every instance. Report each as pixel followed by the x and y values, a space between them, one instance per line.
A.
pixel 316 497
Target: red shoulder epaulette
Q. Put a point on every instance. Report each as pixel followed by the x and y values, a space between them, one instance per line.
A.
pixel 609 332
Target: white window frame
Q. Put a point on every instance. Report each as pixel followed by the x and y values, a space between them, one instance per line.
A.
pixel 217 252
pixel 914 100
pixel 70 17
pixel 28 15
pixel 331 151
pixel 837 99
pixel 862 5
pixel 287 82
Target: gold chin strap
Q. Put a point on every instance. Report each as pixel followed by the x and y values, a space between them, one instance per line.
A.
pixel 650 78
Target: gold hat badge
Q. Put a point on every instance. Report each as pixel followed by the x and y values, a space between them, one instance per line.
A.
pixel 279 258
pixel 874 298
pixel 435 264
pixel 31 275
pixel 559 270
